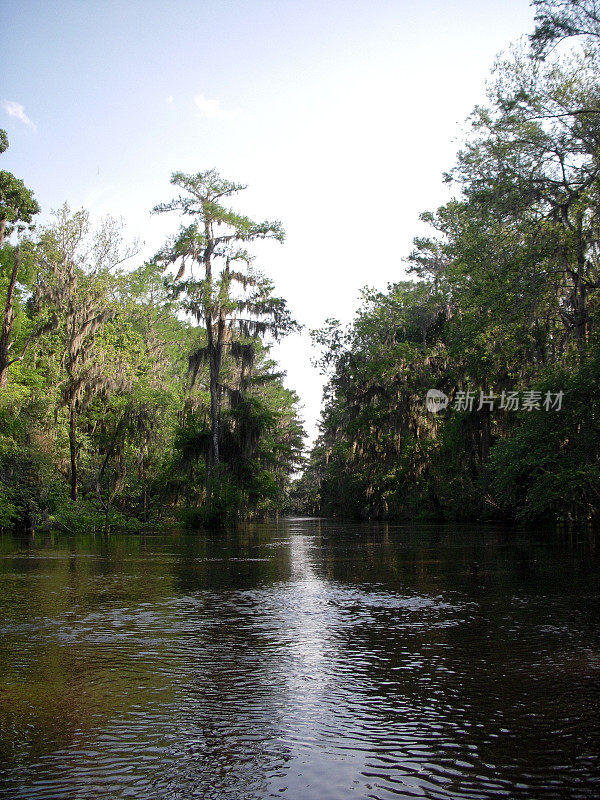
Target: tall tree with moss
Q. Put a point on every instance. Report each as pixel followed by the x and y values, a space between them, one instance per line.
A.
pixel 77 284
pixel 219 287
pixel 512 272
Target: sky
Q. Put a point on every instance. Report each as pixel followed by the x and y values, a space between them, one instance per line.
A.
pixel 340 115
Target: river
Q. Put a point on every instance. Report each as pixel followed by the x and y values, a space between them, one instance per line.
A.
pixel 304 659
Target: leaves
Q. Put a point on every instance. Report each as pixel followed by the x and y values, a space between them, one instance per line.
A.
pixel 506 297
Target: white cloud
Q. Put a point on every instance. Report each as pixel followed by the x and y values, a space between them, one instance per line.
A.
pixel 212 108
pixel 171 100
pixel 16 110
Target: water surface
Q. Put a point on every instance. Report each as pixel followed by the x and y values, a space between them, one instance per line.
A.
pixel 305 660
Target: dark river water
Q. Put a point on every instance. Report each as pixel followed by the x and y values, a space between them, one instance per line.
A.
pixel 307 660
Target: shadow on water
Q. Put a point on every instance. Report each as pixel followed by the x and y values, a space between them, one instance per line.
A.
pixel 303 659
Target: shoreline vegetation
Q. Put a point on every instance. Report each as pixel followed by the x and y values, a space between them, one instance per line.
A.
pixel 139 396
pixel 135 395
pixel 504 300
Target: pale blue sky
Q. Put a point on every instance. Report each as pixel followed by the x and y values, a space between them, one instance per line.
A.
pixel 340 115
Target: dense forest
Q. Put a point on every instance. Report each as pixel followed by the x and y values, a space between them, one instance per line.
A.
pixel 501 317
pixel 132 393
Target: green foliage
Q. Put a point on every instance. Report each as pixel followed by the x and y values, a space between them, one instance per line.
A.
pixel 235 306
pixel 17 203
pixel 506 297
pixel 101 428
pixel 550 465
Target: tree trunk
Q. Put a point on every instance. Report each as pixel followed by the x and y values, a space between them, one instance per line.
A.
pixel 214 411
pixel 580 313
pixel 579 292
pixel 212 467
pixel 8 321
pixel 143 481
pixel 485 436
pixel 73 449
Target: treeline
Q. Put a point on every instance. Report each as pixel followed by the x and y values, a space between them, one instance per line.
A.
pixel 136 393
pixel 502 316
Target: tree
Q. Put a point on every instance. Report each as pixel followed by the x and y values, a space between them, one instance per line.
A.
pixel 17 209
pixel 533 158
pixel 76 284
pixel 557 20
pixel 508 299
pixel 233 302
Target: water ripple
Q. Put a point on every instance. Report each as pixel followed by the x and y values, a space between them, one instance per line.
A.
pixel 170 674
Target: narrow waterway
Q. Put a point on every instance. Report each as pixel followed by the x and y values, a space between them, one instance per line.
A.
pixel 308 660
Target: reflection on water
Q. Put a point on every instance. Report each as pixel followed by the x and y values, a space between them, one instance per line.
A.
pixel 303 660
